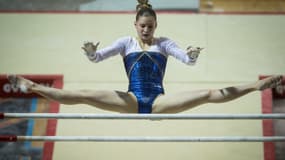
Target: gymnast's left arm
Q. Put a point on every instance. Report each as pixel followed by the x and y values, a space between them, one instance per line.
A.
pixel 188 56
pixel 95 55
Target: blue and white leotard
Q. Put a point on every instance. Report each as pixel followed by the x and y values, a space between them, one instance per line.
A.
pixel 145 69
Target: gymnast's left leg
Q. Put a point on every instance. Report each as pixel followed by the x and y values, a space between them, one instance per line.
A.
pixel 187 100
pixel 116 101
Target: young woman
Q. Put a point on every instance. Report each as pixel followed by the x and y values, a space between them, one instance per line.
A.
pixel 145 60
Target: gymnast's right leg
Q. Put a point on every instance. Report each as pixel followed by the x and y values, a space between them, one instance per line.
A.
pixel 116 101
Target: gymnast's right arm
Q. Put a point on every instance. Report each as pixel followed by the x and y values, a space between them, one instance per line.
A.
pixel 95 55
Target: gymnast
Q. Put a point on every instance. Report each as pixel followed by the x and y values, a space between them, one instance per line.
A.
pixel 145 60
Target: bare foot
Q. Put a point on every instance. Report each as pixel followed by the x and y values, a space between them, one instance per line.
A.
pixel 23 84
pixel 269 82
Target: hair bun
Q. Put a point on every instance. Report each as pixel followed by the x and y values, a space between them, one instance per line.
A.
pixel 143 4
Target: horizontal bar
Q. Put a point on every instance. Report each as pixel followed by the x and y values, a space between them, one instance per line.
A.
pixel 141 116
pixel 141 139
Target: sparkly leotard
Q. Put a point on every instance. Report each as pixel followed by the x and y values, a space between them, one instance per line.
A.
pixel 145 69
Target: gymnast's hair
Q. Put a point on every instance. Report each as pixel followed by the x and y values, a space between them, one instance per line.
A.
pixel 145 9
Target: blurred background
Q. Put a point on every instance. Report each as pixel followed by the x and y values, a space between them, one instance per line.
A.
pixel 128 5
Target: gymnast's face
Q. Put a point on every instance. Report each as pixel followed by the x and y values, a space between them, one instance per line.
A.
pixel 145 27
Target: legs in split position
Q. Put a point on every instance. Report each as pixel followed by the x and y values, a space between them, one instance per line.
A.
pixel 125 102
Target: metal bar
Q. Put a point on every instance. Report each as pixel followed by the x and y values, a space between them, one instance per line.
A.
pixel 141 139
pixel 141 116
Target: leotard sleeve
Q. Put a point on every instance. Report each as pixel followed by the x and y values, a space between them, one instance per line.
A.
pixel 171 48
pixel 117 47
